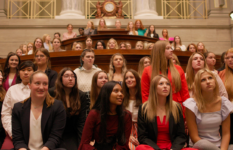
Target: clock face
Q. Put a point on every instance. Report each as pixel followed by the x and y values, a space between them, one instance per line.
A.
pixel 109 7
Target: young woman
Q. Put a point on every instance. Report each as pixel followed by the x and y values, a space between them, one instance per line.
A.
pixel 128 44
pixel 47 42
pixel 161 63
pixel 86 71
pixel 140 28
pixel 112 44
pixel 102 24
pixel 42 61
pixel 201 48
pixel 195 63
pixel 38 43
pixel 165 35
pixel 122 45
pixel 30 48
pixel 150 32
pixel 69 34
pixel 160 119
pixel 144 62
pixel 57 45
pixel 75 106
pixel 2 96
pixel 77 46
pixel 178 44
pixel 90 29
pixel 100 45
pixel 131 29
pixel 139 45
pixel 211 61
pixel 223 62
pixel 107 123
pixel 15 93
pixel 150 46
pixel 38 122
pixel 24 48
pixel 98 80
pixel 192 48
pixel 89 43
pixel 10 70
pixel 206 111
pixel 117 68
pixel 132 100
pixel 175 59
pixel 19 52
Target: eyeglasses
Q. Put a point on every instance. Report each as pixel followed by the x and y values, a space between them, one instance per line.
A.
pixel 69 76
pixel 41 56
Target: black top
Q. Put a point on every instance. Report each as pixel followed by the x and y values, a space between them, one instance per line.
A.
pixel 53 121
pixel 155 35
pixel 52 75
pixel 148 131
pixel 2 131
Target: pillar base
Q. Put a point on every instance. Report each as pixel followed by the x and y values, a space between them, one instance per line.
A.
pixel 70 14
pixel 147 14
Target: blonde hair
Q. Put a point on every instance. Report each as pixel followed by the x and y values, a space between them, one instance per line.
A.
pixel 76 43
pixel 149 107
pixel 149 44
pixel 159 63
pixel 190 72
pixel 105 27
pixel 49 44
pixel 141 65
pixel 139 42
pixel 92 25
pixel 116 45
pixel 229 77
pixel 197 94
pixel 134 33
pixel 112 68
pixel 204 50
pixel 176 58
pixel 167 37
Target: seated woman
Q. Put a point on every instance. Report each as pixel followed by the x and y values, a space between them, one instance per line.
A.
pixel 165 36
pixel 69 34
pixel 211 61
pixel 150 32
pixel 100 45
pixel 90 29
pixel 24 48
pixel 132 100
pixel 47 42
pixel 122 45
pixel 107 123
pixel 131 29
pixel 206 112
pixel 178 45
pixel 102 24
pixel 175 59
pixel 117 68
pixel 38 43
pixel 192 48
pixel 201 48
pixel 139 45
pixel 139 27
pixel 16 93
pixel 74 101
pixel 77 46
pixel 19 52
pixel 30 48
pixel 38 122
pixel 89 43
pixel 160 119
pixel 2 96
pixel 143 63
pixel 42 61
pixel 57 45
pixel 150 46
pixel 128 45
pixel 112 44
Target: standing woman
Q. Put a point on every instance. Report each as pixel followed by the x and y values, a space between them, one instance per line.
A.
pixel 86 71
pixel 151 32
pixel 10 70
pixel 140 28
pixel 38 122
pixel 160 119
pixel 89 43
pixel 211 61
pixel 206 112
pixel 107 123
pixel 132 100
pixel 117 68
pixel 42 61
pixel 69 34
pixel 38 43
pixel 131 29
pixel 47 42
pixel 57 45
pixel 75 106
pixel 2 96
pixel 143 63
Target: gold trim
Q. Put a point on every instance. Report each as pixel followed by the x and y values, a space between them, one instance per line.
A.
pixel 109 3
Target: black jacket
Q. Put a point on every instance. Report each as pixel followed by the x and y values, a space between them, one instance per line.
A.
pixel 53 121
pixel 52 75
pixel 148 131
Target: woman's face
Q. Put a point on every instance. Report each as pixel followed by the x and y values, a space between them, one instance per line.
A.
pixel 56 43
pixel 68 79
pixel 177 40
pixel 152 28
pixel 13 62
pixel 40 58
pixel 48 38
pixel 112 44
pixel 198 62
pixel 139 46
pixel 200 47
pixel 207 82
pixel 229 60
pixel 39 85
pixel 131 25
pixel 116 97
pixel 25 47
pixel 89 24
pixel 88 59
pixel 19 52
pixel 118 61
pixel 70 28
pixel 151 46
pixel 138 24
pixel 168 52
pixel 102 23
pixel 1 78
pixel 146 62
pixel 89 42
pixel 100 45
pixel 30 47
pixel 122 46
pixel 211 59
pixel 130 80
pixel 38 43
pixel 192 48
pixel 78 47
pixel 25 74
pixel 164 33
pixel 163 88
pixel 128 46
pixel 101 79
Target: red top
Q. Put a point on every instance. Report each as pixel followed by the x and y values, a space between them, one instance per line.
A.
pixel 92 126
pixel 163 138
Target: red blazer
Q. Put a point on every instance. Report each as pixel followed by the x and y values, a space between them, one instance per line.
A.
pixel 6 85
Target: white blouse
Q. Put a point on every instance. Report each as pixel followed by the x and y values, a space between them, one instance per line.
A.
pixel 133 110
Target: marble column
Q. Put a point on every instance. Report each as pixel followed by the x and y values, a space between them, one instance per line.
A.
pixel 72 9
pixel 219 8
pixel 2 10
pixel 145 9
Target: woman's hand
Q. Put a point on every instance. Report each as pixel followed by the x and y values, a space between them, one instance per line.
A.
pixel 45 148
pixel 133 140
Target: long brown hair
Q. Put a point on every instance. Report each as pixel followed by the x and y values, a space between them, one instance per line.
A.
pixel 125 89
pixel 229 77
pixel 150 106
pixel 34 47
pixel 159 63
pixel 74 98
pixel 141 65
pixel 46 53
pixel 2 91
